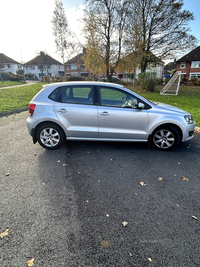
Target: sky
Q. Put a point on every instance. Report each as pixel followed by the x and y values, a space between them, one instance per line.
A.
pixel 26 27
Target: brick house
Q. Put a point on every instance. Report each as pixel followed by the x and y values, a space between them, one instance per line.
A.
pixel 189 64
pixel 75 67
pixel 8 64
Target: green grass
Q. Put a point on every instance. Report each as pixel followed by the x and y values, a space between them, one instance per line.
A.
pixel 17 97
pixel 8 83
pixel 188 99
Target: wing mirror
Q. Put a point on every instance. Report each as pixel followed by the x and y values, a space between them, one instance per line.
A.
pixel 141 105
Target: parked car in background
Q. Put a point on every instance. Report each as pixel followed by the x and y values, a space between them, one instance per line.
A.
pixel 104 112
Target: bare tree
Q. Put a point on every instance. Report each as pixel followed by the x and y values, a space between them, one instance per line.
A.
pixel 107 19
pixel 160 27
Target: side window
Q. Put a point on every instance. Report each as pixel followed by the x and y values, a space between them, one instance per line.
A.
pixel 117 98
pixel 77 95
pixel 53 96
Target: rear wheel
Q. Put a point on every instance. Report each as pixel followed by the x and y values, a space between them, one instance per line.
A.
pixel 165 138
pixel 50 136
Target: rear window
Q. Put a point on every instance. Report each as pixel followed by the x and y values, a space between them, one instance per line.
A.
pixel 54 95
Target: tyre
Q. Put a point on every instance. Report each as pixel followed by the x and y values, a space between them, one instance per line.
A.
pixel 50 136
pixel 165 138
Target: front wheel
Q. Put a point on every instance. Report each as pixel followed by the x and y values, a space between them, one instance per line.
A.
pixel 165 138
pixel 50 136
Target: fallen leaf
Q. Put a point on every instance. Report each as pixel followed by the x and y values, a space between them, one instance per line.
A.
pixel 35 154
pixel 160 179
pixel 58 161
pixel 185 179
pixel 78 172
pixel 149 259
pixel 30 262
pixel 194 217
pixel 87 201
pixel 7 174
pixel 43 183
pixel 99 181
pixel 130 254
pixel 107 215
pixel 105 243
pixel 179 163
pixel 4 233
pixel 124 223
pixel 111 159
pixel 143 184
pixel 64 165
pixel 88 152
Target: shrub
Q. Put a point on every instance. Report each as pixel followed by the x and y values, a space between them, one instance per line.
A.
pixel 12 77
pixel 148 81
pixel 75 78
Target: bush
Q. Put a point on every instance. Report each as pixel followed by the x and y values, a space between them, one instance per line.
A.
pixel 75 78
pixel 12 77
pixel 148 81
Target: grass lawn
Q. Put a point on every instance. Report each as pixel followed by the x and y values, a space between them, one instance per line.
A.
pixel 8 83
pixel 17 97
pixel 188 98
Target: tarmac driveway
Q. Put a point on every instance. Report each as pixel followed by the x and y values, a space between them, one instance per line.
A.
pixel 97 204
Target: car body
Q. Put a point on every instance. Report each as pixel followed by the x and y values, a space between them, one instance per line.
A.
pixel 104 112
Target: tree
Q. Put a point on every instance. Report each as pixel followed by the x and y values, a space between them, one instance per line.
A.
pixel 60 30
pixel 44 62
pixel 107 19
pixel 160 26
pixel 92 55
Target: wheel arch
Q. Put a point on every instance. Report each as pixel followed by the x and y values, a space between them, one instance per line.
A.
pixel 44 122
pixel 179 130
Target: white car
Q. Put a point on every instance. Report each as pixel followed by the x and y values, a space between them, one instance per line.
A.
pixel 99 111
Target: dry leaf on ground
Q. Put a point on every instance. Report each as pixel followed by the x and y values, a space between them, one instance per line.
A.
pixel 194 217
pixel 105 243
pixel 185 179
pixel 30 262
pixel 149 259
pixel 124 223
pixel 143 184
pixel 4 233
pixel 7 174
pixel 160 179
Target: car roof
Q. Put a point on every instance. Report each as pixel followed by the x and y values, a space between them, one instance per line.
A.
pixel 54 85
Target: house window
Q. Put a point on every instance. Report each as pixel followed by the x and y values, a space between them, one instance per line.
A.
pixel 195 64
pixel 73 67
pixel 67 67
pixel 182 65
pixel 2 66
pixel 9 66
pixel 74 74
pixel 84 74
pixel 194 75
pixel 82 66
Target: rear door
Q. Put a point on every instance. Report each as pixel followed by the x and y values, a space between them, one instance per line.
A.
pixel 77 111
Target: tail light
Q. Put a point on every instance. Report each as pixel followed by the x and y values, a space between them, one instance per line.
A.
pixel 31 109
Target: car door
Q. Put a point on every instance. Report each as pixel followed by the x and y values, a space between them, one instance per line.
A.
pixel 77 112
pixel 119 115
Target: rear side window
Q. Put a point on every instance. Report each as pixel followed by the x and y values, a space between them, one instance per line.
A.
pixel 54 95
pixel 77 95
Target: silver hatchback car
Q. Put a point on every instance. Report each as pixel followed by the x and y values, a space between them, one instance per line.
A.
pixel 104 112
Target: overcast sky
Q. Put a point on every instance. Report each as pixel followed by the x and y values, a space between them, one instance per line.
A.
pixel 26 27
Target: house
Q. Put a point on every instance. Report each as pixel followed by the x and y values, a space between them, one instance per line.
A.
pixel 8 64
pixel 75 67
pixel 189 64
pixel 43 65
pixel 168 68
pixel 125 70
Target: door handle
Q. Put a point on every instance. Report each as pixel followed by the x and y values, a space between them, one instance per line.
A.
pixel 105 113
pixel 62 110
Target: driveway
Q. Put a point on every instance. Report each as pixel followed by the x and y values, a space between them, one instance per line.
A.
pixel 97 204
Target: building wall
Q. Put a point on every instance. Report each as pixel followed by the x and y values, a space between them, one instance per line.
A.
pixel 187 71
pixel 10 68
pixel 52 71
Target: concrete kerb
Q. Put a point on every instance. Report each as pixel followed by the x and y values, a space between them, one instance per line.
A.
pixel 197 129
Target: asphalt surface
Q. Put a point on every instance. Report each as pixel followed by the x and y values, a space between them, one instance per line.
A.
pixel 72 215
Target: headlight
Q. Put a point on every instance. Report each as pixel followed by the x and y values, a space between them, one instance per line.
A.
pixel 189 118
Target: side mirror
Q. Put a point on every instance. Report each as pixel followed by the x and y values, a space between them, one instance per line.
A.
pixel 141 105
